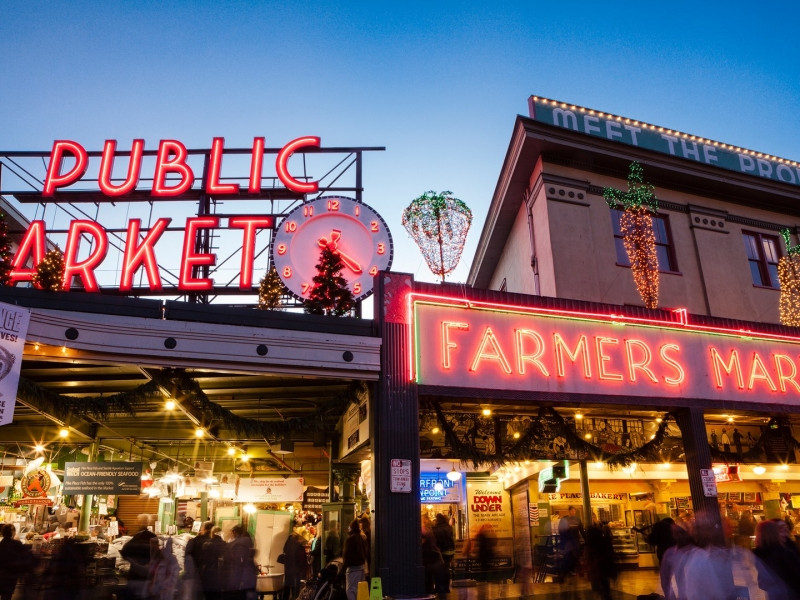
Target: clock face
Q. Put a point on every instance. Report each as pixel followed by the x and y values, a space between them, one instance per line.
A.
pixel 355 231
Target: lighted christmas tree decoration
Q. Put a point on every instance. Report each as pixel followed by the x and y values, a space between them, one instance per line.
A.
pixel 50 272
pixel 5 252
pixel 439 224
pixel 636 225
pixel 789 279
pixel 330 294
pixel 271 291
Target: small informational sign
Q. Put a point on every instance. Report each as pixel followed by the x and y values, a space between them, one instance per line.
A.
pixel 401 475
pixel 709 479
pixel 269 489
pixel 13 329
pixel 113 528
pixel 118 478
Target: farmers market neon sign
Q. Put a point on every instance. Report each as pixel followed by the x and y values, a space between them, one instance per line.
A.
pixel 469 344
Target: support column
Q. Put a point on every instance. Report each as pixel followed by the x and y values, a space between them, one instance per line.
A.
pixel 394 433
pixel 698 456
pixel 587 501
pixel 86 507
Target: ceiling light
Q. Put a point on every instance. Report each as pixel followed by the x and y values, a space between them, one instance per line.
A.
pixel 785 466
pixel 169 405
pixel 454 475
pixel 435 430
pixel 38 448
pixel 244 457
pixel 231 451
pixel 199 432
pixel 759 470
pixel 578 415
pixel 587 436
pixel 249 508
pixel 438 486
pixel 63 432
pixel 486 412
pixel 516 435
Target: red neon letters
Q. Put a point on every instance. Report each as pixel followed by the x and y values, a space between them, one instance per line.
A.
pixel 172 174
pixel 139 252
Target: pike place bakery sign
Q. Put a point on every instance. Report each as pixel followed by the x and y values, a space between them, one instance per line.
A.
pixel 349 227
pixel 460 343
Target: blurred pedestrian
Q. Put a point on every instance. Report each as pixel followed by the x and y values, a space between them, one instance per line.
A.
pixel 570 530
pixel 295 566
pixel 673 576
pixel 137 552
pixel 192 559
pixel 10 552
pixel 708 565
pixel 433 562
pixel 162 581
pixel 315 552
pixel 354 558
pixel 486 545
pixel 241 571
pixel 601 567
pixel 211 565
pixel 445 540
pixel 778 566
pixel 333 543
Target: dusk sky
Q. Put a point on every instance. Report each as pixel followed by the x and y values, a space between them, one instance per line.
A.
pixel 439 84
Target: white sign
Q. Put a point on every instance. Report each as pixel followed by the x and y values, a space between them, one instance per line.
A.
pixel 13 329
pixel 709 482
pixel 270 489
pixel 401 475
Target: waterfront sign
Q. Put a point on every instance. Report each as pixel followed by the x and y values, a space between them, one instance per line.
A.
pixel 461 343
pixel 661 139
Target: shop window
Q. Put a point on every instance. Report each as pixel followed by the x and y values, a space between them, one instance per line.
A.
pixel 665 249
pixel 763 256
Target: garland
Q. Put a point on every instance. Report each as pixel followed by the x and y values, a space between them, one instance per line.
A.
pixel 189 393
pixel 549 425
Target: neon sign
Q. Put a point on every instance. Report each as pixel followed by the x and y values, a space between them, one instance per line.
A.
pixel 462 343
pixel 171 160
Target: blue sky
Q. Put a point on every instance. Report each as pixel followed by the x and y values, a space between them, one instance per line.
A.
pixel 437 83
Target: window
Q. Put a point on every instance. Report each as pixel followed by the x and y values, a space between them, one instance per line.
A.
pixel 665 249
pixel 763 256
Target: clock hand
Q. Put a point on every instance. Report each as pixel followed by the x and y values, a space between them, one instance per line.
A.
pixel 333 244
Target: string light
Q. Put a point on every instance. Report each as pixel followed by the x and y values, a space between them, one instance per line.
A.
pixel 789 279
pixel 439 224
pixel 50 272
pixel 636 226
pixel 271 291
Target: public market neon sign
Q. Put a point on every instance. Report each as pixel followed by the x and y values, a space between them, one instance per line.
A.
pixel 172 177
pixel 469 344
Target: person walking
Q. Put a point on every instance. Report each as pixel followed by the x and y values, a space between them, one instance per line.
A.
pixel 211 567
pixel 192 558
pixel 600 564
pixel 11 551
pixel 354 558
pixel 443 533
pixel 240 568
pixel 778 565
pixel 137 552
pixel 295 566
pixel 164 571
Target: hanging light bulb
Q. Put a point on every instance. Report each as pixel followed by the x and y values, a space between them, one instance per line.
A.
pixel 438 486
pixel 454 475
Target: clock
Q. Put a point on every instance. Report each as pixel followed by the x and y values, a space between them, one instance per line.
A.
pixel 353 230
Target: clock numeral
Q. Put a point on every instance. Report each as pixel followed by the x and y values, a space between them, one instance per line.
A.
pixel 287 272
pixel 333 205
pixel 357 210
pixel 306 287
pixel 373 226
pixel 357 288
pixel 308 211
pixel 374 270
pixel 381 248
pixel 281 249
pixel 290 227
